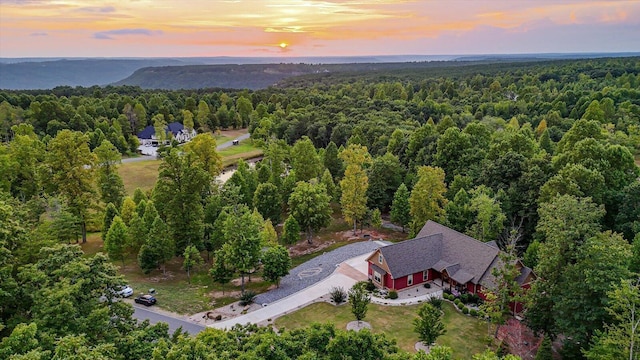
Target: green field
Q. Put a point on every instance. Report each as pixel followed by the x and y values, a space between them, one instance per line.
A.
pixel 465 334
pixel 143 174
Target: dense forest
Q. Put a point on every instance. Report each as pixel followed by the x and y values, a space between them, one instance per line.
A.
pixel 538 156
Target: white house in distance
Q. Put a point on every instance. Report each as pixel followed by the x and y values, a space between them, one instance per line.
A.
pixel 175 130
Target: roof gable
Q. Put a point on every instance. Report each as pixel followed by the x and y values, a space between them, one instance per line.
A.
pixel 411 256
pixel 147 133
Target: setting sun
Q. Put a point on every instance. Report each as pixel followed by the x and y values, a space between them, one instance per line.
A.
pixel 283 45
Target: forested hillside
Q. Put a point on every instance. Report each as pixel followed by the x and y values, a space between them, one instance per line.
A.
pixel 540 157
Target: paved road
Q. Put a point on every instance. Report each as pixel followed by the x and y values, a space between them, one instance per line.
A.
pixel 144 313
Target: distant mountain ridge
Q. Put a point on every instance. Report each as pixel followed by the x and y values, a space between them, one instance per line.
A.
pixel 206 72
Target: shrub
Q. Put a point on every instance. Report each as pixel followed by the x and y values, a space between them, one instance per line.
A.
pixel 465 310
pixel 338 294
pixel 247 298
pixel 393 294
pixel 370 286
pixel 436 302
pixel 446 296
pixel 427 286
pixel 473 312
pixel 465 298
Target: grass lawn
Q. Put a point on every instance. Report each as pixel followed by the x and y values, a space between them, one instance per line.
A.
pixel 174 293
pixel 141 174
pixel 465 335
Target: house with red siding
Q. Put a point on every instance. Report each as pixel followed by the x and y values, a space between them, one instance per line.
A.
pixel 442 255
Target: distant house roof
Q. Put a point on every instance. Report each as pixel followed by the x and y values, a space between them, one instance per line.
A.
pixel 441 248
pixel 149 131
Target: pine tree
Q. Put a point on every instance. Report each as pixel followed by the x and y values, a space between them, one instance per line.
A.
pixel 109 213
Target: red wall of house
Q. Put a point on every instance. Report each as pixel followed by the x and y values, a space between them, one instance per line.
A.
pixel 388 281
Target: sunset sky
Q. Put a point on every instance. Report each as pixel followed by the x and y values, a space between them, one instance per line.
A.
pixel 181 28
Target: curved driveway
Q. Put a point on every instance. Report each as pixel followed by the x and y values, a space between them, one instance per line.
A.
pixel 345 275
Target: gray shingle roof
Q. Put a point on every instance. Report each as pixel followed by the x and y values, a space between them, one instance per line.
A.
pixel 438 247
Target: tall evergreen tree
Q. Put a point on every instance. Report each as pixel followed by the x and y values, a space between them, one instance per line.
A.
pixel 400 208
pixel 116 240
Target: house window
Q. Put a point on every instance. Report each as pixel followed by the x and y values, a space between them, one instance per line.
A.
pixel 377 277
pixel 380 259
pixel 425 275
pixel 409 280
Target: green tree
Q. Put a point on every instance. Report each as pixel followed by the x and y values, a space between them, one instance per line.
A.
pixel 460 215
pixel 291 231
pixel 328 183
pixel 428 325
pixel 620 338
pixel 359 299
pixel 309 205
pixel 110 183
pixel 109 213
pixel 221 271
pixel 25 154
pixel 127 210
pixel 354 184
pixel 192 259
pixel 267 201
pixel 304 160
pixel 427 197
pixel 139 196
pixel 276 263
pixel 116 239
pixel 187 120
pixel 385 176
pixel 332 162
pixel 70 165
pixel 138 233
pixel 400 208
pixel 545 351
pixel 376 218
pixel 242 234
pixel 178 197
pixel 203 114
pixel 203 146
pixel 157 249
pixel 268 234
pixel 565 224
pixel 489 219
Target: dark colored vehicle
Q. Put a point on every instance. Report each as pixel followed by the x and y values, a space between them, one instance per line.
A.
pixel 147 300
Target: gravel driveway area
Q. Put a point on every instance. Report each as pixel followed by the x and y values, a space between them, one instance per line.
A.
pixel 315 270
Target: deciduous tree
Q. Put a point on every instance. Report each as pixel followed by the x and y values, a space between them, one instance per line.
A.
pixel 427 197
pixel 70 167
pixel 359 300
pixel 400 208
pixel 354 184
pixel 428 325
pixel 304 160
pixel 309 205
pixel 276 263
pixel 192 259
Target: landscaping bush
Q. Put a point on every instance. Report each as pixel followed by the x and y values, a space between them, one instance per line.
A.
pixel 247 298
pixel 465 310
pixel 447 296
pixel 338 294
pixel 465 298
pixel 436 302
pixel 393 294
pixel 473 312
pixel 427 285
pixel 370 286
pixel 459 304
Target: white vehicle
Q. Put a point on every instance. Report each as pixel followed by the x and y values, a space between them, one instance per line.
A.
pixel 124 291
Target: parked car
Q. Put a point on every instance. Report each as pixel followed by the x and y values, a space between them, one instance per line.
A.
pixel 146 300
pixel 124 291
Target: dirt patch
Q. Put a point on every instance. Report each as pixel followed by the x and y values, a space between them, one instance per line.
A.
pixel 304 248
pixel 519 338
